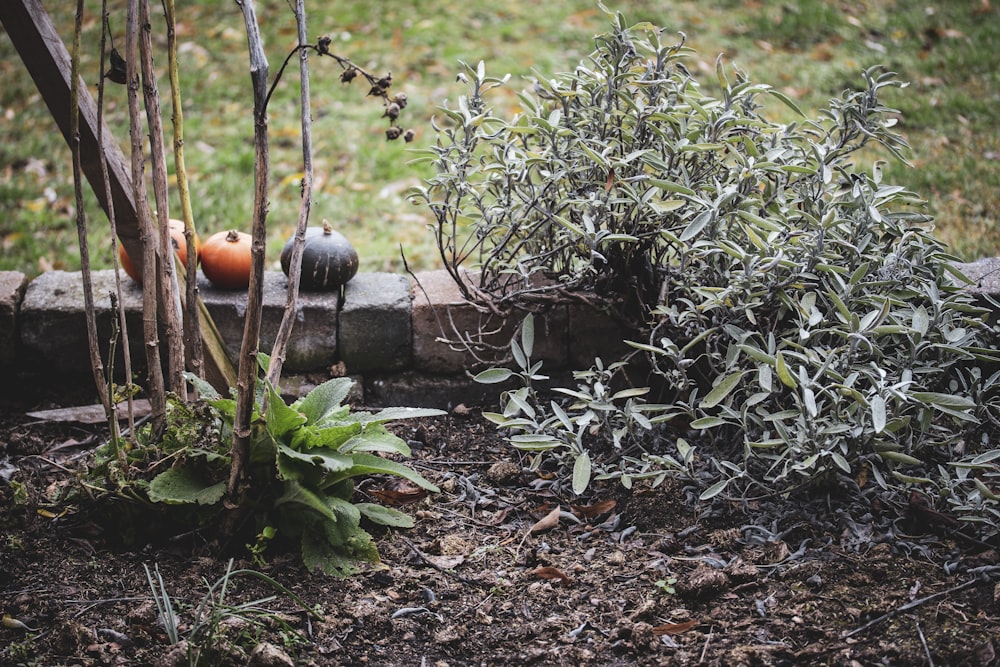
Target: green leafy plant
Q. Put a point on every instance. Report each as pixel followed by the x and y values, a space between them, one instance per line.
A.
pixel 204 632
pixel 798 315
pixel 611 424
pixel 305 457
pixel 666 586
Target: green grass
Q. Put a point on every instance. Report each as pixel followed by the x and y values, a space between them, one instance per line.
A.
pixel 811 49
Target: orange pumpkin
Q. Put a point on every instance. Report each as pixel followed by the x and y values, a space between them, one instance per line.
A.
pixel 225 259
pixel 180 247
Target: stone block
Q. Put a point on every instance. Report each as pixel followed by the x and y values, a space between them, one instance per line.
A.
pixel 421 390
pixel 443 320
pixel 53 325
pixel 12 285
pixel 313 343
pixel 375 327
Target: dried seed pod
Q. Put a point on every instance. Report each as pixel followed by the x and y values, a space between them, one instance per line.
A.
pixel 348 75
pixel 409 135
pixel 392 111
pixel 393 133
pixel 116 73
pixel 323 45
pixel 401 100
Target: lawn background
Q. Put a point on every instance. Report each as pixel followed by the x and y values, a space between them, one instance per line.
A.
pixel 810 49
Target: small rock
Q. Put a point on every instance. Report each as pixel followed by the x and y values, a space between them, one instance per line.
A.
pixel 643 636
pixel 704 581
pixel 176 656
pixel 269 655
pixel 449 634
pixel 503 473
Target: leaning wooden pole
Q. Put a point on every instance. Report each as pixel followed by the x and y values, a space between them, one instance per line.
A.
pixel 48 62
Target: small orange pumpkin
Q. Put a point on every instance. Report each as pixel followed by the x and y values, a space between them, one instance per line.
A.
pixel 226 258
pixel 180 247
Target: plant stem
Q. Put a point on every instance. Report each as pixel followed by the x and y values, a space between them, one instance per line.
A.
pixel 157 396
pixel 119 310
pixel 193 347
pixel 247 375
pixel 295 265
pixel 97 366
pixel 167 283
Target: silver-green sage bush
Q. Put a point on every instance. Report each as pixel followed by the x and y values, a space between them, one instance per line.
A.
pixel 802 325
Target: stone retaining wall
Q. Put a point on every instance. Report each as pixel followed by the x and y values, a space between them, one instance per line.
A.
pixel 387 333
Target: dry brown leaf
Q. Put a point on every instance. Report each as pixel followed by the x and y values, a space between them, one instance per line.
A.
pixel 591 511
pixel 547 522
pixel 400 493
pixel 554 574
pixel 674 628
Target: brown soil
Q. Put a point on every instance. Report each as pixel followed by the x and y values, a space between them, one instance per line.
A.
pixel 646 577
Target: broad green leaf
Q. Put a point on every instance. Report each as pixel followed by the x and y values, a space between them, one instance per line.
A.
pixel 318 555
pixel 375 438
pixel 809 399
pixel 667 205
pixel 281 419
pixel 398 413
pixel 327 459
pixel 297 494
pixel 204 389
pixel 757 354
pixel 385 516
pixel 520 358
pixel 325 398
pixel 630 393
pixel 945 400
pixel 910 479
pixel 721 390
pixel 184 486
pixel 369 464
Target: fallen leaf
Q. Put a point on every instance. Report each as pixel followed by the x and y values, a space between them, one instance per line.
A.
pixel 401 493
pixel 548 522
pixel 446 562
pixel 673 628
pixel 552 573
pixel 595 510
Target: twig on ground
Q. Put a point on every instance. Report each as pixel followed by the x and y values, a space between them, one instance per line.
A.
pixel 972 583
pixel 923 642
pixel 430 562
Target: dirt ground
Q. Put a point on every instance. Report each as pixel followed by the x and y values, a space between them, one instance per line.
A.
pixel 641 577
